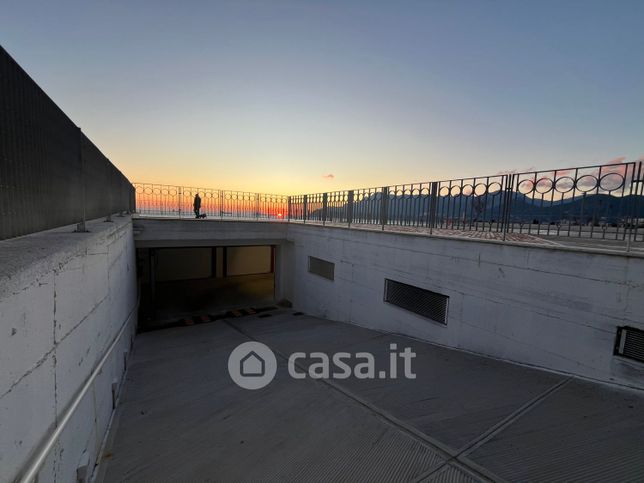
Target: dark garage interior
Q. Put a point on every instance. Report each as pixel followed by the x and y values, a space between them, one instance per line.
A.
pixel 181 282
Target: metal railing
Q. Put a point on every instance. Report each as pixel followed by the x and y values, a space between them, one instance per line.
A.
pixel 178 202
pixel 30 472
pixel 601 201
pixel 51 174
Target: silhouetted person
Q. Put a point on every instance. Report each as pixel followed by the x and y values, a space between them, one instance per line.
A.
pixel 197 205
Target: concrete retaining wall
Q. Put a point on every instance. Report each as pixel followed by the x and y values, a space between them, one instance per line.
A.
pixel 159 232
pixel 556 308
pixel 553 308
pixel 63 298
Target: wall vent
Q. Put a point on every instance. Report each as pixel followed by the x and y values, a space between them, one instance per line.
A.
pixel 418 300
pixel 322 268
pixel 630 343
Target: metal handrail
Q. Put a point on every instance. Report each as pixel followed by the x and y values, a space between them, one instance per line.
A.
pixel 30 472
pixel 598 201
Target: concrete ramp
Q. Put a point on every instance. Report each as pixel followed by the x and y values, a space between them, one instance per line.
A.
pixel 464 417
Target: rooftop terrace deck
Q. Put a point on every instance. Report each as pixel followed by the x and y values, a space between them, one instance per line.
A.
pixel 464 418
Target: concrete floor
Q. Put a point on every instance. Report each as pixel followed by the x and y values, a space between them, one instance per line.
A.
pixel 464 418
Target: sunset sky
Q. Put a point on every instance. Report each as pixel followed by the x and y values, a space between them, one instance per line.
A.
pixel 300 96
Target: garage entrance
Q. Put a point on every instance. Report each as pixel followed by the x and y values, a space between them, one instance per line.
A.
pixel 183 282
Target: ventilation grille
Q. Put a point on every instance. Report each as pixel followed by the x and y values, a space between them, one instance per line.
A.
pixel 630 343
pixel 322 268
pixel 418 300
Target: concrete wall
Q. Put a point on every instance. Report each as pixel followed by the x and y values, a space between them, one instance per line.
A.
pixel 183 263
pixel 158 233
pixel 554 308
pixel 248 260
pixel 197 262
pixel 161 233
pixel 63 298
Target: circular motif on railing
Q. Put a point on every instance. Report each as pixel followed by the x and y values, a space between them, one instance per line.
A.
pixel 586 183
pixel 424 191
pixel 611 181
pixel 207 195
pixel 480 189
pixel 173 192
pixel 406 193
pixel 156 191
pixel 468 190
pixel 444 191
pixel 164 191
pixel 360 197
pixel 415 192
pixel 494 188
pixel 544 185
pixel 526 186
pixel 140 189
pixel 455 191
pixel 564 184
pixel 251 198
pixel 227 196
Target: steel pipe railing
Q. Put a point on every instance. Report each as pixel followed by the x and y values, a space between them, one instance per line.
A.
pixel 30 472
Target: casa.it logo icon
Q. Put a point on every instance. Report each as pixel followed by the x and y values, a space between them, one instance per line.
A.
pixel 252 365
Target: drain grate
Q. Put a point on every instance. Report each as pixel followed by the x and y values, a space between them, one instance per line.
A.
pixel 630 343
pixel 423 302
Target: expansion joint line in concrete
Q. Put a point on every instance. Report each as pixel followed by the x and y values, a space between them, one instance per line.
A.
pixel 447 453
pixel 460 456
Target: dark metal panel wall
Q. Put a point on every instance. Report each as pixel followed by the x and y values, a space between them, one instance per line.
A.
pixel 51 175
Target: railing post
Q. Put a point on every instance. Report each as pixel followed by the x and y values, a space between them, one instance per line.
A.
pixel 384 207
pixel 257 206
pixel 507 197
pixel 581 214
pixel 305 208
pixel 121 200
pixel 433 206
pixel 350 207
pixel 81 227
pixel 222 196
pixel 108 218
pixel 325 204
pixel 288 207
pixel 639 186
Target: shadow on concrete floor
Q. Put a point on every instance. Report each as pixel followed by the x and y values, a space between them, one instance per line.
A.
pixel 183 298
